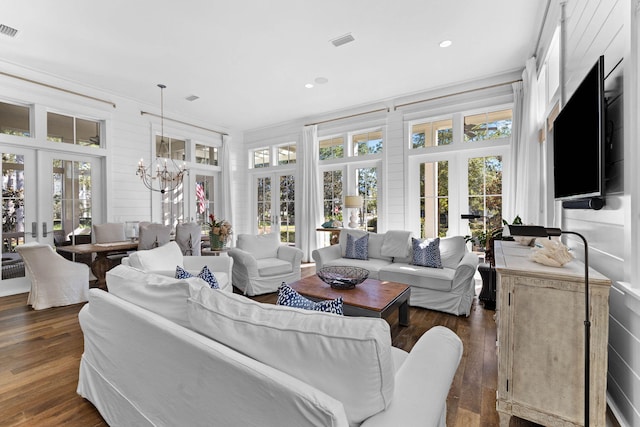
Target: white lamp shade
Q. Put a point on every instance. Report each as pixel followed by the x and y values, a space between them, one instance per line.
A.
pixel 353 201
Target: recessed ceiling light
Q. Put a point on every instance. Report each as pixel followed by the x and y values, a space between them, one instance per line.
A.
pixel 446 43
pixel 321 80
pixel 309 85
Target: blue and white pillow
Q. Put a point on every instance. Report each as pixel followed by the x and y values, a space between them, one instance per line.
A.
pixel 427 252
pixel 357 248
pixel 289 297
pixel 205 274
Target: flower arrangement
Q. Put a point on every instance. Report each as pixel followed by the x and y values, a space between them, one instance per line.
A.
pixel 219 229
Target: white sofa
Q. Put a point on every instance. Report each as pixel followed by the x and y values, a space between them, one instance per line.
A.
pixel 261 263
pixel 450 289
pixel 238 362
pixel 164 260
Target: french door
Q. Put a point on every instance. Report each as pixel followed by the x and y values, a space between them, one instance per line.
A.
pixel 275 205
pixel 47 197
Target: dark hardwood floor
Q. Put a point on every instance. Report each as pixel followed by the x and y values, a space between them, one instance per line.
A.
pixel 40 355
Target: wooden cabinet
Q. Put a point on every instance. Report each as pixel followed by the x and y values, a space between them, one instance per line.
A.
pixel 540 320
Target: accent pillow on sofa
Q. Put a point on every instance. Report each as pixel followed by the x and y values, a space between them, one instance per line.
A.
pixel 452 249
pixel 157 259
pixel 291 298
pixel 357 248
pixel 205 274
pixel 163 295
pixel 349 358
pixel 426 253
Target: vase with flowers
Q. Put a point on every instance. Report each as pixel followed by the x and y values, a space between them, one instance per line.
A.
pixel 219 232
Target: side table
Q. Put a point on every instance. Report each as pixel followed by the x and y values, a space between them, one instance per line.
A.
pixel 214 252
pixel 488 292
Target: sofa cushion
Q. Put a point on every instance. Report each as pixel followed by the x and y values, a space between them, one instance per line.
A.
pixel 260 246
pixel 205 274
pixel 396 243
pixel 349 358
pixel 163 295
pixel 291 298
pixel 157 259
pixel 376 242
pixel 426 253
pixel 273 266
pixel 438 279
pixel 452 249
pixel 357 248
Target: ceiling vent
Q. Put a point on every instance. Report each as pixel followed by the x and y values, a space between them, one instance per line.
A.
pixel 347 38
pixel 8 31
pixel 192 97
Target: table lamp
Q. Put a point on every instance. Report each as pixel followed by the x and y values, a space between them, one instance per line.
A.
pixel 354 203
pixel 539 231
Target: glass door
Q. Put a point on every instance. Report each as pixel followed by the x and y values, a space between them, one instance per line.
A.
pixel 275 206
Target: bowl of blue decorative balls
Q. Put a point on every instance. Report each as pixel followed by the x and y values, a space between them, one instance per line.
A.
pixel 343 277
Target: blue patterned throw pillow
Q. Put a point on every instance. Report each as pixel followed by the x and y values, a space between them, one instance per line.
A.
pixel 357 248
pixel 426 252
pixel 205 274
pixel 288 296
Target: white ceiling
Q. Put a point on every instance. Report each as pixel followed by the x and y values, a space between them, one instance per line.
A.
pixel 249 60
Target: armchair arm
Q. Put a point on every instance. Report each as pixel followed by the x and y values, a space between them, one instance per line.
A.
pixel 244 262
pixel 323 255
pixel 291 254
pixel 463 278
pixel 423 381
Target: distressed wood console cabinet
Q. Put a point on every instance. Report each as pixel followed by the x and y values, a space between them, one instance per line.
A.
pixel 540 320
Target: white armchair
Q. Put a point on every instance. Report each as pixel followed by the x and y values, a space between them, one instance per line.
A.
pixel 55 281
pixel 261 263
pixel 164 259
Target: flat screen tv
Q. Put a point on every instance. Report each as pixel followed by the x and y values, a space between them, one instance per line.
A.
pixel 578 140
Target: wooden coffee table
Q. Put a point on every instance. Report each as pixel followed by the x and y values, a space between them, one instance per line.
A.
pixel 371 298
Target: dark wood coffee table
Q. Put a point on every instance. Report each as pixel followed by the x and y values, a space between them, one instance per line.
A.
pixel 371 298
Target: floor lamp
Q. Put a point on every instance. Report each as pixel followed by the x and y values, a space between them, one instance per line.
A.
pixel 354 203
pixel 539 231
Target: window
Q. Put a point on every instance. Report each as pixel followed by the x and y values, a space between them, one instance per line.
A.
pixel 332 148
pixel 286 154
pixel 332 195
pixel 73 130
pixel 368 189
pixel 204 198
pixel 261 158
pixel 485 193
pixel 263 195
pixel 431 134
pixel 71 197
pixel 14 119
pixel 206 155
pixel 367 143
pixel 434 199
pixel 170 148
pixel 483 126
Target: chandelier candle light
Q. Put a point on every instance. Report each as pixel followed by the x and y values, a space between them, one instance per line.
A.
pixel 167 176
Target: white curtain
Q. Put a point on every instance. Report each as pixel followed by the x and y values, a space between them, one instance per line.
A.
pixel 311 214
pixel 225 181
pixel 524 197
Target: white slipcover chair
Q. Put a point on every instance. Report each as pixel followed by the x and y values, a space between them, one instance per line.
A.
pixel 55 281
pixel 189 238
pixel 153 235
pixel 261 263
pixel 111 232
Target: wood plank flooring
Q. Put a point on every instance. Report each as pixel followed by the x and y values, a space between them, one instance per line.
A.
pixel 40 355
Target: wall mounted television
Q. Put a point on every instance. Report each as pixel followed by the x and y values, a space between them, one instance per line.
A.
pixel 578 143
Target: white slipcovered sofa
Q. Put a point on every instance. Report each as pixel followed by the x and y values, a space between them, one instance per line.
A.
pixel 450 289
pixel 261 263
pixel 197 356
pixel 164 260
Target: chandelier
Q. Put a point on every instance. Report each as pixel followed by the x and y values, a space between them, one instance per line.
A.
pixel 162 175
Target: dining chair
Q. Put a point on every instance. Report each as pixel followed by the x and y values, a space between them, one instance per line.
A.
pixel 189 238
pixel 111 232
pixel 55 281
pixel 153 235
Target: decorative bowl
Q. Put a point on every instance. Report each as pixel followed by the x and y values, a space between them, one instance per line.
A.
pixel 343 277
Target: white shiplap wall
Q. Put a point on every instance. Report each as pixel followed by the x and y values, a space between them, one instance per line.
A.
pixel 593 28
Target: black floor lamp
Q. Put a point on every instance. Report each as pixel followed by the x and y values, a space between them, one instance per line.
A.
pixel 539 231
